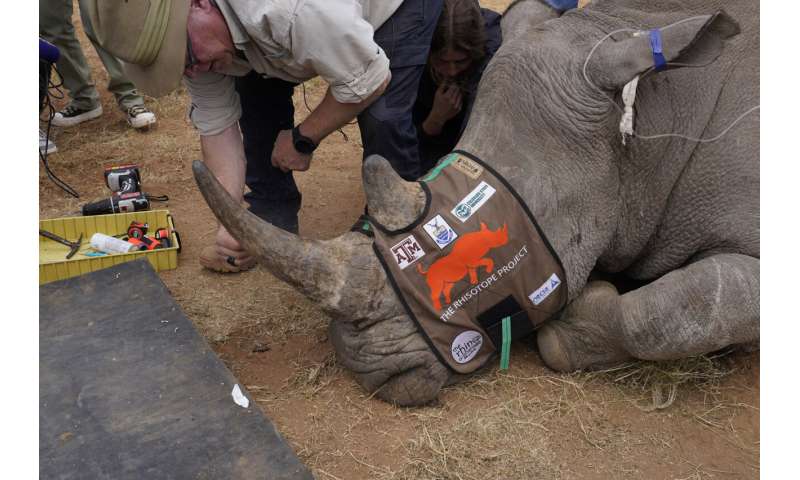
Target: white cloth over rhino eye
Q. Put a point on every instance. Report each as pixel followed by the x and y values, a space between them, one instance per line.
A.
pixel 628 97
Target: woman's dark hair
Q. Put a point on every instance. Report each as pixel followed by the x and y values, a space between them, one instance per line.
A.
pixel 461 27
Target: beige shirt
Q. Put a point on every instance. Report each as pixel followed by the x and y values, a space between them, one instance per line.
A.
pixel 295 40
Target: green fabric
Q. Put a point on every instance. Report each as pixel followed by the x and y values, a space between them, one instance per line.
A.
pixel 505 351
pixel 438 169
pixel 152 35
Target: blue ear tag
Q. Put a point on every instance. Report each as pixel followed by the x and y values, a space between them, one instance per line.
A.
pixel 658 53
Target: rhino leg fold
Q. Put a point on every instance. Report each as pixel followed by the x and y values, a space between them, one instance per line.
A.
pixel 705 306
pixel 390 359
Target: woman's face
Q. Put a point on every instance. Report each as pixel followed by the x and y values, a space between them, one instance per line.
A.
pixel 449 64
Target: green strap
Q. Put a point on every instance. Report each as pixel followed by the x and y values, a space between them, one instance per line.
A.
pixel 438 169
pixel 505 351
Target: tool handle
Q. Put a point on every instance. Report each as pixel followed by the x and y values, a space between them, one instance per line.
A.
pixel 55 237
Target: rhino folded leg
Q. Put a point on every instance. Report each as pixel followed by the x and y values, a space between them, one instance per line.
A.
pixel 390 359
pixel 703 307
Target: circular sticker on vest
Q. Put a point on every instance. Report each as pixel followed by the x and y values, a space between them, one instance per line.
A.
pixel 466 345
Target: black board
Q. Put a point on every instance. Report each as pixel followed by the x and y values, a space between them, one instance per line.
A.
pixel 128 389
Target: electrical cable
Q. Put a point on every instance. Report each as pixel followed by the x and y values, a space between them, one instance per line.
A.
pixel 51 112
pixel 344 135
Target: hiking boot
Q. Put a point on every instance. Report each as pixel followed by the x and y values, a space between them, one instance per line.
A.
pixel 210 259
pixel 72 116
pixel 140 117
pixel 46 146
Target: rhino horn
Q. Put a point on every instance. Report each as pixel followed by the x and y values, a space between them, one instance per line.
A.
pixel 314 267
pixel 392 201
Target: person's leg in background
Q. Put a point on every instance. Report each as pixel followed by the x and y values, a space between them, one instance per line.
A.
pixel 386 126
pixel 267 109
pixel 55 26
pixel 124 90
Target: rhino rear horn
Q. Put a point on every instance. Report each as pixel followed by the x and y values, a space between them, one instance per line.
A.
pixel 392 201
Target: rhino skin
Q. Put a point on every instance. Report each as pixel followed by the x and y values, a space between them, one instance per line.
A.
pixel 679 216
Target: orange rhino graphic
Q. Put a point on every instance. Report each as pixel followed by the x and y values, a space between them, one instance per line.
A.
pixel 467 256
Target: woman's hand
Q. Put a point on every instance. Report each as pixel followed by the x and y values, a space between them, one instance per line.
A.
pixel 446 105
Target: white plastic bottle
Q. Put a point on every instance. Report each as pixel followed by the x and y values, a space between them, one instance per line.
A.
pixel 108 244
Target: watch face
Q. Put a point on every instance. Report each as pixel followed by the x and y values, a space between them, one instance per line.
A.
pixel 301 143
pixel 304 146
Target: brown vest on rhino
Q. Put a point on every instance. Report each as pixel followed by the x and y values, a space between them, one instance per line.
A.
pixel 480 257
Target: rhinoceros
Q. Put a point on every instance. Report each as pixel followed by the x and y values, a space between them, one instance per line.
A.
pixel 679 216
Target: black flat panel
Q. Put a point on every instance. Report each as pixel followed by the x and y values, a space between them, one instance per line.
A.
pixel 129 390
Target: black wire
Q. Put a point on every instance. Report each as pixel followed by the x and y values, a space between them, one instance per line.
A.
pixel 51 112
pixel 344 135
pixel 156 198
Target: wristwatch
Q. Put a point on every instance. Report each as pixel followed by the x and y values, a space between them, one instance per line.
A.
pixel 302 143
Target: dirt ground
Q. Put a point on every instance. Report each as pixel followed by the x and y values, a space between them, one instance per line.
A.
pixel 694 419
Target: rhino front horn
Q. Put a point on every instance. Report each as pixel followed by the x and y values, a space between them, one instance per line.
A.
pixel 392 201
pixel 312 266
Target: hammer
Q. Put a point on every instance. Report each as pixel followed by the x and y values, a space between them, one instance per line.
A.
pixel 73 247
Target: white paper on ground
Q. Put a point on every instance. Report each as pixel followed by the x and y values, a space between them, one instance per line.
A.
pixel 239 397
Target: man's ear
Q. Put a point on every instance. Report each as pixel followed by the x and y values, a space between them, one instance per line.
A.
pixel 695 41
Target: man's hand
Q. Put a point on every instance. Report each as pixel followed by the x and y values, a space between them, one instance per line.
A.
pixel 446 105
pixel 227 246
pixel 285 157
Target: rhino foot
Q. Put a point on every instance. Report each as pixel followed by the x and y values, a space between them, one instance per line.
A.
pixel 586 335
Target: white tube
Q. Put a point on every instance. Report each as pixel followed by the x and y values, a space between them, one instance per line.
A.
pixel 105 243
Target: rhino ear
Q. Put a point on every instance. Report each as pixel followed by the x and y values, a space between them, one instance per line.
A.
pixel 521 17
pixel 695 41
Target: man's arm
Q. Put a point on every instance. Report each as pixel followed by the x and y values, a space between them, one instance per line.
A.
pixel 224 155
pixel 329 115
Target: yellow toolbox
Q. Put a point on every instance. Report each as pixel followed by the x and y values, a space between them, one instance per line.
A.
pixel 54 266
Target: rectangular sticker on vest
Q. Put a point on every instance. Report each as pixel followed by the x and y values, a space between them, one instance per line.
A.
pixel 407 252
pixel 472 202
pixel 549 286
pixel 468 167
pixel 440 232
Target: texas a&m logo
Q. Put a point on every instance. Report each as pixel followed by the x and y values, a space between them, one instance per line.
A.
pixel 407 252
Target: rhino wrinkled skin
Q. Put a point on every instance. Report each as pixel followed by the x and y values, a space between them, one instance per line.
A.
pixel 680 216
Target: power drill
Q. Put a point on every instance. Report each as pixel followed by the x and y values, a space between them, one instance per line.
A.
pixel 118 203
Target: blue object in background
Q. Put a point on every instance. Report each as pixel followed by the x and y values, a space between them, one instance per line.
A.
pixel 563 5
pixel 48 52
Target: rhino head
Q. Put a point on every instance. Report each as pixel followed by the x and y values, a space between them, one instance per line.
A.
pixel 373 336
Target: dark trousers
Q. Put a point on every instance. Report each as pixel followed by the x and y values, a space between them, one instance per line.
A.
pixel 267 109
pixel 386 126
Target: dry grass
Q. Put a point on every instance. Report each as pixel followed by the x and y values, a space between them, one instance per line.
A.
pixel 661 380
pixel 517 431
pixel 310 378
